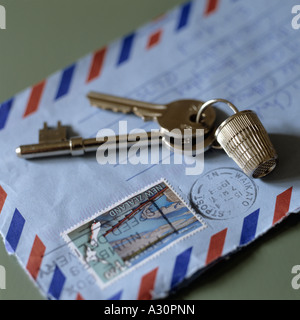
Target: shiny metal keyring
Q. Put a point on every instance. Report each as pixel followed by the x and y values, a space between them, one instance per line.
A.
pixel 245 140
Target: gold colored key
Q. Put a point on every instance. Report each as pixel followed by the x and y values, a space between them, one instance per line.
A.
pixel 241 135
pixel 245 140
pixel 55 142
pixel 177 115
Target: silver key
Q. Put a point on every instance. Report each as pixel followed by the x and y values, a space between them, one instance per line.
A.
pixel 54 142
pixel 179 114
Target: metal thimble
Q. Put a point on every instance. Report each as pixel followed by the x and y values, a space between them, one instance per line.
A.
pixel 245 140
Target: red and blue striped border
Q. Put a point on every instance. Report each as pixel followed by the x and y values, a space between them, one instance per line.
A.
pixel 211 7
pixel 3 196
pixel 57 284
pixel 4 112
pixel 154 39
pixel 97 63
pixel 184 16
pixel 35 258
pixel 65 82
pixel 147 284
pixel 34 99
pixel 180 269
pixel 14 231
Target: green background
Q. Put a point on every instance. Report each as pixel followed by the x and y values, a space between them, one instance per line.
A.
pixel 43 36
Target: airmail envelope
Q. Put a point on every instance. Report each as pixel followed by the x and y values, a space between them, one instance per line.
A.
pixel 84 230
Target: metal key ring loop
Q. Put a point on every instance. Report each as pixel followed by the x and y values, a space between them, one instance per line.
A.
pixel 211 102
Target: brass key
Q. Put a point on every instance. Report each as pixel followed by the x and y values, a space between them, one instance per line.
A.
pixel 54 142
pixel 173 118
pixel 178 115
pixel 242 135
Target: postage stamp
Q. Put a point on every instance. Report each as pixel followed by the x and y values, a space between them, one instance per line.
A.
pixel 117 240
pixel 223 193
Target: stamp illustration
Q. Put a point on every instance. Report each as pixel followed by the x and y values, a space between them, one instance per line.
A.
pixel 223 193
pixel 117 240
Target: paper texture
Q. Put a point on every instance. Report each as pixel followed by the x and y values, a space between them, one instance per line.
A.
pixel 246 52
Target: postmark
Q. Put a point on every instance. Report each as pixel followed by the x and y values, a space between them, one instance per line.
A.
pixel 126 235
pixel 223 193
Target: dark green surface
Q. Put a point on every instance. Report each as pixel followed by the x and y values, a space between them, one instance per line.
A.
pixel 44 36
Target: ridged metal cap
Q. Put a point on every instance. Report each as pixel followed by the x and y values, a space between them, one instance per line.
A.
pixel 245 140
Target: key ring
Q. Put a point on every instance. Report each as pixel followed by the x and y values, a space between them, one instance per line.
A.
pixel 211 102
pixel 215 144
pixel 245 140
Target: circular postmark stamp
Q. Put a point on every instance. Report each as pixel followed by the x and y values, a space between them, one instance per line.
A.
pixel 223 193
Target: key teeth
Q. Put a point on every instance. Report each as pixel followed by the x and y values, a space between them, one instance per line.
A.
pixel 123 110
pixel 116 109
pixel 49 135
pixel 146 118
pixel 126 111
